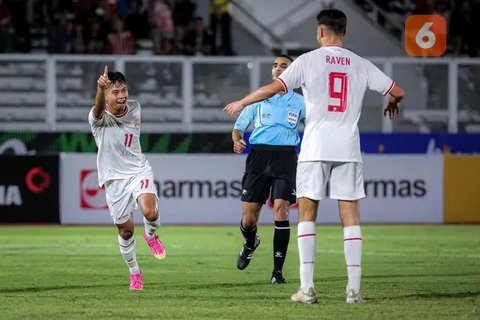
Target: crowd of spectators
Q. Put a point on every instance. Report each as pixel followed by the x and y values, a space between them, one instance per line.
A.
pixel 171 27
pixel 161 27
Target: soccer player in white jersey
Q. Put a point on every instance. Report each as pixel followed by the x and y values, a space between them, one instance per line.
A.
pixel 333 81
pixel 123 169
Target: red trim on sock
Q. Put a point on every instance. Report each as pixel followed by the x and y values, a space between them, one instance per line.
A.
pixel 350 239
pixel 306 235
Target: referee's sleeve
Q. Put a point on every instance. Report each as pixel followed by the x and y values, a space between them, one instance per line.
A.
pixel 245 118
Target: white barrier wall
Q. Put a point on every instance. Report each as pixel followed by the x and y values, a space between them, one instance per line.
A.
pixel 205 189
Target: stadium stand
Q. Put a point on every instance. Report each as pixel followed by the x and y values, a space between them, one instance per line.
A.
pixel 47 90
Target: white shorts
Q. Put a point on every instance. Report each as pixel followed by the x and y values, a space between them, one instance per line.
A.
pixel 122 194
pixel 343 179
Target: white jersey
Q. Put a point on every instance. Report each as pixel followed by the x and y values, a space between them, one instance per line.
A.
pixel 333 81
pixel 118 140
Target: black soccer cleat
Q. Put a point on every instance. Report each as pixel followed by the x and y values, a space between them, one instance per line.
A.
pixel 277 277
pixel 246 255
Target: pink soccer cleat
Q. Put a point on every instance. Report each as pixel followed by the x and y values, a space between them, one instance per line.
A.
pixel 136 282
pixel 158 250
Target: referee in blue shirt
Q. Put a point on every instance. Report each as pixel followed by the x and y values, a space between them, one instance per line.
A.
pixel 270 167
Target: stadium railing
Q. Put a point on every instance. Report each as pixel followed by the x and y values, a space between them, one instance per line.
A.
pixel 187 94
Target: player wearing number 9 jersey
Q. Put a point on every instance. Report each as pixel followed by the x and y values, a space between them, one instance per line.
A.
pixel 123 169
pixel 333 81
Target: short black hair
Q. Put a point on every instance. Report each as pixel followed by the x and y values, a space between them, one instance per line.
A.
pixel 285 56
pixel 333 19
pixel 116 77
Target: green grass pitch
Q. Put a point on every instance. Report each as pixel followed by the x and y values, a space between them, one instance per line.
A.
pixel 409 272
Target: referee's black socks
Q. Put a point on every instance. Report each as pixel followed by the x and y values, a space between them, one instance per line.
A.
pixel 281 238
pixel 249 233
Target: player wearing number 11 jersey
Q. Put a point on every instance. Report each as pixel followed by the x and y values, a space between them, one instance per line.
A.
pixel 333 81
pixel 123 169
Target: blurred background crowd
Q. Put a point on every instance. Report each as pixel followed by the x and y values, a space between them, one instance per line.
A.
pixel 161 27
pixel 173 27
pixel 463 19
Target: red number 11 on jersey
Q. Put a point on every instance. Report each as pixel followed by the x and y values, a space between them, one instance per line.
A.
pixel 341 95
pixel 144 183
pixel 127 141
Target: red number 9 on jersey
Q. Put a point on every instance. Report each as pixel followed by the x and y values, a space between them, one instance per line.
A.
pixel 337 89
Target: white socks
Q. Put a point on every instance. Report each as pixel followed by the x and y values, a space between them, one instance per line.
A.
pixel 127 249
pixel 151 226
pixel 306 239
pixel 352 246
pixel 352 243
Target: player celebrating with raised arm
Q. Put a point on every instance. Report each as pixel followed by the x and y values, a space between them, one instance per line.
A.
pixel 333 81
pixel 123 169
pixel 270 167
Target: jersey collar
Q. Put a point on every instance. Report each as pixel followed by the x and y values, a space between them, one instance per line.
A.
pixel 121 114
pixel 286 96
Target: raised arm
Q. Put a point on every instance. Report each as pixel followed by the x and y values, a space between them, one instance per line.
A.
pixel 102 84
pixel 393 107
pixel 260 94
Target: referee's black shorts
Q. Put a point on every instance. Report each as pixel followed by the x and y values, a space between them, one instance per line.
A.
pixel 270 169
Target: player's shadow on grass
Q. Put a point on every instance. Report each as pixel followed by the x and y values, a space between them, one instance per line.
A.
pixel 53 288
pixel 436 295
pixel 392 276
pixel 222 285
pixel 431 275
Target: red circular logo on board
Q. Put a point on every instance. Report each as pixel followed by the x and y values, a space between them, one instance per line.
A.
pixel 37 180
pixel 91 195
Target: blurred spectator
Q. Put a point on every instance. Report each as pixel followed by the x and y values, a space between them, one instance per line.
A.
pixel 137 20
pixel 162 27
pixel 21 26
pixel 475 14
pixel 54 14
pixel 120 41
pixel 183 12
pixel 460 25
pixel 120 8
pixel 95 36
pixel 178 41
pixel 220 17
pixel 68 37
pixel 182 17
pixel 422 7
pixel 85 9
pixel 74 43
pixel 198 41
pixel 6 44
